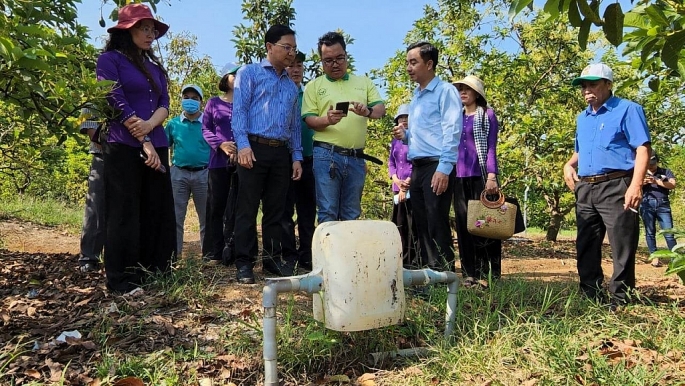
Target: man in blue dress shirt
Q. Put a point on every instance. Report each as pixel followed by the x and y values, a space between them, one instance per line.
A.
pixel 433 132
pixel 612 148
pixel 266 126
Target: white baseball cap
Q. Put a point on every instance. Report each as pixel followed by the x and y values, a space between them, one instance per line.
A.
pixel 595 71
pixel 195 87
pixel 402 110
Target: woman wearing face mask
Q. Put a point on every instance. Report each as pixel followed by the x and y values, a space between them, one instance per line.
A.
pixel 216 128
pixel 139 206
pixel 477 170
pixel 190 156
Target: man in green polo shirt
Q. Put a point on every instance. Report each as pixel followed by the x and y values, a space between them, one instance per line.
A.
pixel 190 157
pixel 339 137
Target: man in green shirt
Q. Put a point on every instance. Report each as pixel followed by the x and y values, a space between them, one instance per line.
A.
pixel 190 157
pixel 340 134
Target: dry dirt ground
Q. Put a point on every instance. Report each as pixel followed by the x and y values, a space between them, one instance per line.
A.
pixel 42 293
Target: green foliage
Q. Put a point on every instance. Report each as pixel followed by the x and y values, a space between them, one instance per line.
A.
pixel 676 256
pixel 377 196
pixel 46 65
pixel 262 14
pixel 186 66
pixel 656 33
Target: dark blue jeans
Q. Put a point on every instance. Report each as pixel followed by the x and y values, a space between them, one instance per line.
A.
pixel 651 210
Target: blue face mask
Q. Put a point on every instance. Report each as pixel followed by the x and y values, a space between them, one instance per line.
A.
pixel 190 106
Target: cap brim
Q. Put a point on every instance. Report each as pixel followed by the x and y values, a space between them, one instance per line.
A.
pixel 579 79
pixel 232 71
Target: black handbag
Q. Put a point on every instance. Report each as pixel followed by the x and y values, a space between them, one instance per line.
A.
pixel 519 224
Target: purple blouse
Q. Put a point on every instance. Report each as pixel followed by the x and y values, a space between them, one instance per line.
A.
pixel 217 129
pixel 398 162
pixel 133 95
pixel 467 162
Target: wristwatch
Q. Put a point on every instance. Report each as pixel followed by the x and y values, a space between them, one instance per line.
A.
pixel 370 111
pixel 145 139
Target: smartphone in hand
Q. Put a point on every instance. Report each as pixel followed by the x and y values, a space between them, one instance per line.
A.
pixel 343 106
pixel 143 156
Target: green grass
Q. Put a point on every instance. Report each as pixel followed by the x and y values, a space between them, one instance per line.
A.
pixel 514 332
pixel 46 212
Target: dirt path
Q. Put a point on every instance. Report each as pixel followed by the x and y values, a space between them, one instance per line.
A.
pixel 531 258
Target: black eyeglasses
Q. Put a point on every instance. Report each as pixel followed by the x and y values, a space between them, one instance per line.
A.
pixel 339 60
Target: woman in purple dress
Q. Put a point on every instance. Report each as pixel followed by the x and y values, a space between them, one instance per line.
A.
pixel 140 219
pixel 216 128
pixel 477 170
pixel 399 168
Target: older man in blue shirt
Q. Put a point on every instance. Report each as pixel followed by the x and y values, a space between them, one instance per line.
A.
pixel 433 132
pixel 611 153
pixel 266 126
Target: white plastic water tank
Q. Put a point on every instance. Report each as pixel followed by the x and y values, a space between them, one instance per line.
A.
pixel 362 274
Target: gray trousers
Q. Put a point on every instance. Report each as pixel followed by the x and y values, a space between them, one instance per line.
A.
pixel 599 212
pixel 94 229
pixel 183 184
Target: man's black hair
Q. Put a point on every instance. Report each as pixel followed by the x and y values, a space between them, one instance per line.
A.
pixel 427 52
pixel 330 39
pixel 276 32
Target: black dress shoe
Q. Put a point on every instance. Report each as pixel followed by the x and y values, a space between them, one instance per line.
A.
pixel 245 275
pixel 279 268
pixel 89 267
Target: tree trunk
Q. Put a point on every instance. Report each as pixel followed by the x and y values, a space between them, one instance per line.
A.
pixel 554 226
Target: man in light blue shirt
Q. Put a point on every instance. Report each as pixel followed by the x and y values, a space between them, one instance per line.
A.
pixel 611 154
pixel 266 126
pixel 190 157
pixel 433 132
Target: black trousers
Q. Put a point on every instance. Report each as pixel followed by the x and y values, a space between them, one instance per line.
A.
pixel 403 217
pixel 141 225
pixel 480 257
pixel 432 216
pixel 599 211
pixel 267 182
pixel 301 197
pixel 220 222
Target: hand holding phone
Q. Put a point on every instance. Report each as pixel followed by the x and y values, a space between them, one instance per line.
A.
pixel 343 106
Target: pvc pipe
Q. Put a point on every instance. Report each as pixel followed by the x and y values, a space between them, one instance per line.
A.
pixel 313 282
pixel 428 276
pixel 310 283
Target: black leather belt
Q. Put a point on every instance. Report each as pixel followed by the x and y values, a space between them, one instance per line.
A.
pixel 267 141
pixel 606 177
pixel 191 168
pixel 358 153
pixel 424 161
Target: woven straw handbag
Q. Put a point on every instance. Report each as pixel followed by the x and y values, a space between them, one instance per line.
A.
pixel 491 219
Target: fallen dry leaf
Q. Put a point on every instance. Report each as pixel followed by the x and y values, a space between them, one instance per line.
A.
pixel 33 373
pixel 206 382
pixel 129 381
